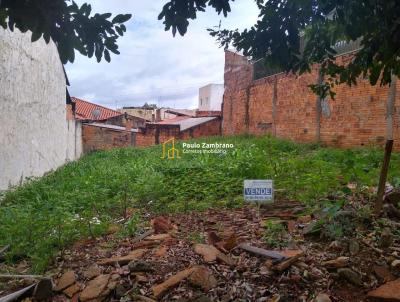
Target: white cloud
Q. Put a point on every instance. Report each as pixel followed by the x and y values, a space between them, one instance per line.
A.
pixel 153 66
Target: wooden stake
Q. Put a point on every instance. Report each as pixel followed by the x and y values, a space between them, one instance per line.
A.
pixel 261 252
pixel 15 296
pixel 318 108
pixel 4 249
pixel 390 107
pixel 274 101
pixel 383 177
pixel 5 276
pixel 143 236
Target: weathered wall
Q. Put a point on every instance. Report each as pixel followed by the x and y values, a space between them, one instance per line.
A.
pixel 155 134
pixel 121 120
pixel 34 131
pixel 74 140
pixel 145 138
pixel 210 97
pixel 212 128
pixel 96 138
pixel 208 113
pixel 283 105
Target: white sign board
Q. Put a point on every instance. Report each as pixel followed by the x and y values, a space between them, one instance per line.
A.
pixel 261 190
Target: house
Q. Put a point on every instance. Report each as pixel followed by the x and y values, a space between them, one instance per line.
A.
pixel 101 136
pixel 36 135
pixel 154 114
pixel 90 112
pixel 181 127
pixel 146 111
pixel 210 100
pixel 182 112
pixel 104 128
pixel 85 110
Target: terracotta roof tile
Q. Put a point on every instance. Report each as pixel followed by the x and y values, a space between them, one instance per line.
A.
pixel 172 121
pixel 85 110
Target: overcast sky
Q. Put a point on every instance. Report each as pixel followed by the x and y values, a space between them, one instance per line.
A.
pixel 153 66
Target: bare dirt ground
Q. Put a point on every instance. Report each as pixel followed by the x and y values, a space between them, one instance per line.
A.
pixel 205 257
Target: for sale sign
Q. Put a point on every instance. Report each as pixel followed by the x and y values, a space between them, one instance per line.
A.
pixel 260 190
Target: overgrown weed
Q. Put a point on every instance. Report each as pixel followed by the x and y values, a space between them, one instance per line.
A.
pixel 83 198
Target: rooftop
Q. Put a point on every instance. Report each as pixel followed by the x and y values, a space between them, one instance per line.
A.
pixel 85 110
pixel 113 127
pixel 179 112
pixel 185 122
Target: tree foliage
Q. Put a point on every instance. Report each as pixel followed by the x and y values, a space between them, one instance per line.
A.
pixel 298 33
pixel 176 13
pixel 70 26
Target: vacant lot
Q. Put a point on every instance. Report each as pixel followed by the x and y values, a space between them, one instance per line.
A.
pixel 84 198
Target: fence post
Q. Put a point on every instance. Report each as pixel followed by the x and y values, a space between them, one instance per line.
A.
pixel 383 177
pixel 274 100
pixel 318 109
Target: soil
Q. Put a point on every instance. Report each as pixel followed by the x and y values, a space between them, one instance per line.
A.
pixel 250 278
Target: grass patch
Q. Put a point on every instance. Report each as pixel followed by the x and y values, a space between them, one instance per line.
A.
pixel 275 235
pixel 83 198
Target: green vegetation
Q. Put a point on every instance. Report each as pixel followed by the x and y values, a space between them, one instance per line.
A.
pixel 71 27
pixel 275 235
pixel 195 237
pixel 85 197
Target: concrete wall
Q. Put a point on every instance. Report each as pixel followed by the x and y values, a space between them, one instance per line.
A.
pixel 121 120
pixel 284 105
pixel 210 97
pixel 34 132
pixel 74 140
pixel 148 114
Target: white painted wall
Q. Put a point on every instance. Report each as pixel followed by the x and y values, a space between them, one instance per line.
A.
pixel 74 140
pixel 210 97
pixel 34 135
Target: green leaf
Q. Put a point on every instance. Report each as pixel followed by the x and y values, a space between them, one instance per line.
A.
pixel 122 18
pixel 106 15
pixel 36 35
pixel 119 30
pixel 46 37
pixel 107 55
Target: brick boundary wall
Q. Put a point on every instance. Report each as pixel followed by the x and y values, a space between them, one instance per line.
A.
pixel 208 113
pixel 284 105
pixel 98 138
pixel 155 134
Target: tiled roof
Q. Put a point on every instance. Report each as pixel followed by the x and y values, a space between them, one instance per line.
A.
pixel 85 110
pixel 113 127
pixel 185 122
pixel 187 112
pixel 173 121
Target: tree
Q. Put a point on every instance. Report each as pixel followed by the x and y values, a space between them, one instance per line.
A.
pixel 71 27
pixel 295 34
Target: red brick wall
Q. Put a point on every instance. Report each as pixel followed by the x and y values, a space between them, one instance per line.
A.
pixel 97 138
pixel 70 113
pixel 212 128
pixel 157 134
pixel 145 139
pixel 356 116
pixel 208 113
